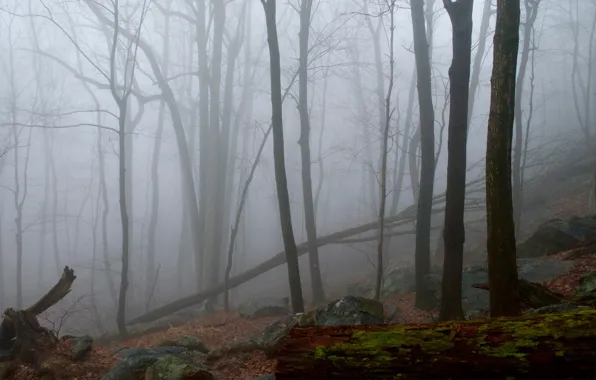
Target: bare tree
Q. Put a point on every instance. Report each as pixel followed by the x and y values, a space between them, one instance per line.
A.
pixel 502 266
pixel 424 298
pixel 383 186
pixel 479 56
pixel 152 233
pixel 318 293
pixel 460 14
pixel 531 8
pixel 278 152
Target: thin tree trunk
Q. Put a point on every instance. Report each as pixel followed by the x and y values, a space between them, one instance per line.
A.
pixel 502 266
pixel 460 14
pixel 385 143
pixel 531 7
pixel 424 297
pixel 151 246
pixel 479 57
pixel 243 198
pixel 283 197
pixel 318 293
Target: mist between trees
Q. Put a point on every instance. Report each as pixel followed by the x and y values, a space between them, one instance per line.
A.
pixel 155 146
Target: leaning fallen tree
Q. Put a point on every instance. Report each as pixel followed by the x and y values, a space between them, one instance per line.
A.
pixel 405 217
pixel 554 346
pixel 22 338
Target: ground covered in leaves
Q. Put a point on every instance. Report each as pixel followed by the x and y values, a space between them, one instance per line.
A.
pixel 222 328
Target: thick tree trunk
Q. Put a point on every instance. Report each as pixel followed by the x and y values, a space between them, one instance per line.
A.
pixel 424 298
pixel 460 14
pixel 502 266
pixel 550 346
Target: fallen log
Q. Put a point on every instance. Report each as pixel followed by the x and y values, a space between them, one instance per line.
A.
pixel 549 346
pixel 406 216
pixel 22 338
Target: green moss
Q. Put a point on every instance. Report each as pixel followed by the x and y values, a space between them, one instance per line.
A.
pixel 497 338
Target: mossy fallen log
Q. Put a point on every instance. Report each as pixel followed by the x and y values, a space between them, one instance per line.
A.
pixel 550 346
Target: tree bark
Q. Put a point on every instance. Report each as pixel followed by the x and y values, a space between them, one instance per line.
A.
pixel 547 346
pixel 454 235
pixel 21 335
pixel 424 297
pixel 502 266
pixel 316 283
pixel 283 197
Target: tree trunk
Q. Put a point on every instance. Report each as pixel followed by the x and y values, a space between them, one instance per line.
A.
pixel 502 266
pixel 283 196
pixel 383 157
pixel 424 297
pixel 479 57
pixel 460 14
pixel 121 315
pixel 404 217
pixel 531 13
pixel 242 202
pixel 316 283
pixel 201 36
pixel 21 334
pixel 152 233
pixel 551 346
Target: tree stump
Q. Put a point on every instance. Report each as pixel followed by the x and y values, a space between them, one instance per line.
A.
pixel 23 339
pixel 549 346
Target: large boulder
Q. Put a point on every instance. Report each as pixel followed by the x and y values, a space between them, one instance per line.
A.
pixel 264 307
pixel 348 310
pixel 587 285
pixel 556 236
pixel 135 361
pixel 176 368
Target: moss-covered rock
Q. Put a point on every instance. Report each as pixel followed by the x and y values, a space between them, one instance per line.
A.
pixel 176 368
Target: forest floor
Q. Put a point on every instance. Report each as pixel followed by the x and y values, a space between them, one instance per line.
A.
pixel 222 328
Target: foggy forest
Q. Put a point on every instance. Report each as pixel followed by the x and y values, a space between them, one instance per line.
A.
pixel 179 153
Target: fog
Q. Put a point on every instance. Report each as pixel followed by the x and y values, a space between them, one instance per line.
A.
pixel 59 136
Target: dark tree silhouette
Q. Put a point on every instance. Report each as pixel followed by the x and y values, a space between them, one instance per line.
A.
pixel 502 268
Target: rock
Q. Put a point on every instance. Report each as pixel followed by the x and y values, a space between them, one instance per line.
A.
pixel 399 281
pixel 153 351
pixel 81 345
pixel 136 361
pixel 391 312
pixel 264 307
pixel 176 368
pixel 188 342
pixel 348 310
pixel 558 308
pixel 476 301
pixel 556 236
pixel 587 284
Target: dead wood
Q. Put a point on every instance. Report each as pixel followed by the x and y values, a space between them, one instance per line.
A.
pixel 23 339
pixel 549 346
